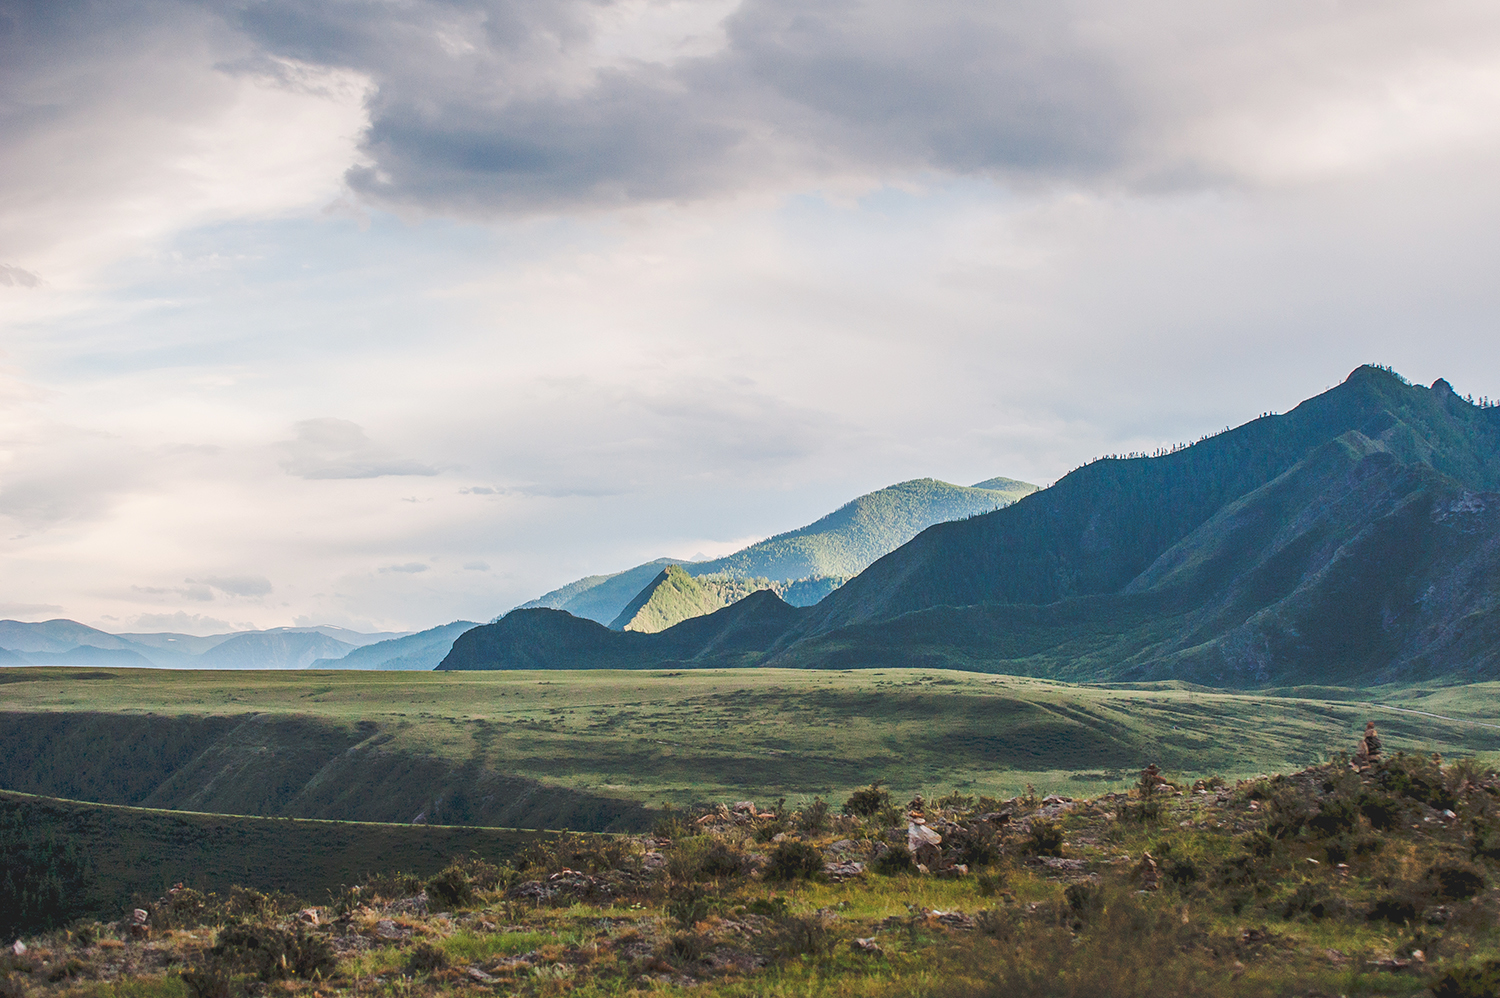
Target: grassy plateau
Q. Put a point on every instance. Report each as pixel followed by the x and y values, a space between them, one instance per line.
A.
pixel 388 745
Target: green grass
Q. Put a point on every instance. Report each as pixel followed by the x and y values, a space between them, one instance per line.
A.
pixel 104 856
pixel 384 746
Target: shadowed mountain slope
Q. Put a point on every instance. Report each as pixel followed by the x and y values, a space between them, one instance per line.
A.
pixel 1354 540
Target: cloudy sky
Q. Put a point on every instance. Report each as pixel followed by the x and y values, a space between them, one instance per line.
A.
pixel 385 313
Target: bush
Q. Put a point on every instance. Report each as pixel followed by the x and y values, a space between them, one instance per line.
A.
pixel 719 861
pixel 1476 981
pixel 451 888
pixel 1044 839
pixel 1452 882
pixel 895 860
pixel 800 935
pixel 990 884
pixel 868 801
pixel 271 953
pixel 814 817
pixel 974 845
pixel 424 958
pixel 689 906
pixel 794 860
pixel 673 824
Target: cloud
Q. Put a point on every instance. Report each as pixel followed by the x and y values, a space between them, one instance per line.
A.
pixel 192 591
pixel 493 106
pixel 412 567
pixel 29 609
pixel 336 448
pixel 184 623
pixel 238 585
pixel 476 566
pixel 15 277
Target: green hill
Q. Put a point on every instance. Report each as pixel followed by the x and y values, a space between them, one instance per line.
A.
pixel 812 561
pixel 670 598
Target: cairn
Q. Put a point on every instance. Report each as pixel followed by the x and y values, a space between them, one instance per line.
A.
pixel 1367 752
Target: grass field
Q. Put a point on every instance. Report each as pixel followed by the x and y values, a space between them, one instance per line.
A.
pixel 345 741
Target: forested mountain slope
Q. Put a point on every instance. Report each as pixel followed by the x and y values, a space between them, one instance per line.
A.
pixel 827 551
pixel 1354 540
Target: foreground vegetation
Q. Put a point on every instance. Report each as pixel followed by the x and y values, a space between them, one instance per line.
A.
pixel 1326 881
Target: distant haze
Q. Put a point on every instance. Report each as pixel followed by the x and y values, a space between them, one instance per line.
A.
pixel 390 315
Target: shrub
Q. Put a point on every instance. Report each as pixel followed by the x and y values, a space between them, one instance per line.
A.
pixel 793 860
pixel 271 953
pixel 1452 882
pixel 1474 981
pixel 673 824
pixel 688 946
pixel 1394 909
pixel 211 980
pixel 689 906
pixel 1044 839
pixel 719 860
pixel 990 884
pixel 800 935
pixel 868 801
pixel 424 958
pixel 974 845
pixel 451 888
pixel 895 860
pixel 814 817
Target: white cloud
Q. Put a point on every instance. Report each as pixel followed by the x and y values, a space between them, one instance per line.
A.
pixel 336 448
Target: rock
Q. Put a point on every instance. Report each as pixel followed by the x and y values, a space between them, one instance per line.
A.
pixel 476 974
pixel 952 919
pixel 1367 752
pixel 841 871
pixel 842 845
pixel 1147 873
pixel 1063 864
pixel 1335 957
pixel 779 837
pixel 922 842
pixel 18 948
pixel 868 946
pixel 745 807
pixel 308 916
pixel 387 929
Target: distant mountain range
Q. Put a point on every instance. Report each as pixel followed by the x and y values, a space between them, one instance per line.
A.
pixel 67 642
pixel 802 565
pixel 1352 541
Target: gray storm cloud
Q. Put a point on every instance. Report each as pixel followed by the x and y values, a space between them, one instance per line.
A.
pixel 484 107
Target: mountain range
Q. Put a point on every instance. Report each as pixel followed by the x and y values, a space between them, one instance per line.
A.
pixel 67 642
pixel 1352 541
pixel 805 564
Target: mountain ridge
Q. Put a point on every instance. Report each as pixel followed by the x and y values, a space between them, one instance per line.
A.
pixel 1224 563
pixel 820 555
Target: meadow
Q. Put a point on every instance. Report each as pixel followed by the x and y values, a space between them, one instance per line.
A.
pixel 586 749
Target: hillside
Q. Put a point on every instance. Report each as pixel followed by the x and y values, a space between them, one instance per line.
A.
pixel 423 650
pixel 1352 541
pixel 808 562
pixel 68 860
pixel 670 598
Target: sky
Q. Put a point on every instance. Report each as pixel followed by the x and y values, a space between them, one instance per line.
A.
pixel 387 313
